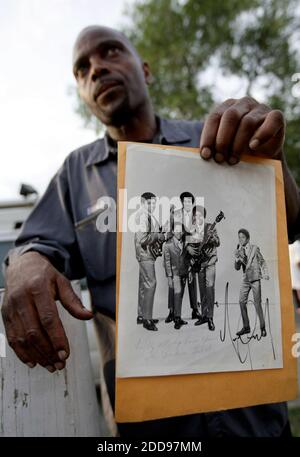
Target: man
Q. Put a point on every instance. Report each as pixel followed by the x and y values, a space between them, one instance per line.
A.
pixel 249 257
pixel 176 267
pixel 59 243
pixel 207 274
pixel 183 219
pixel 168 229
pixel 145 236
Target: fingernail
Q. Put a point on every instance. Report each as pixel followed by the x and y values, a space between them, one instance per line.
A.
pixel 50 368
pixel 219 157
pixel 233 160
pixel 206 153
pixel 30 364
pixel 62 355
pixel 59 365
pixel 254 143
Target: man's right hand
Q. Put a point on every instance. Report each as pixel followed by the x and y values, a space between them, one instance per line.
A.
pixel 33 327
pixel 192 251
pixel 237 254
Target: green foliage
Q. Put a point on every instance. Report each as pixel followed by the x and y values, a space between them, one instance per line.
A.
pixel 255 40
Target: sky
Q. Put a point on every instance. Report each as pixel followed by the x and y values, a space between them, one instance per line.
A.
pixel 38 124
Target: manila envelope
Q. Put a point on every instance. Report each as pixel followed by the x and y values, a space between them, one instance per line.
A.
pixel 147 398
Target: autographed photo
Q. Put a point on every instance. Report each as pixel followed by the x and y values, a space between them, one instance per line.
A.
pixel 199 287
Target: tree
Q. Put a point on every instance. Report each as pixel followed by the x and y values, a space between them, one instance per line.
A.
pixel 254 40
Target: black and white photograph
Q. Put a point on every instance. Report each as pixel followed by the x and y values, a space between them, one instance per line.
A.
pixel 199 288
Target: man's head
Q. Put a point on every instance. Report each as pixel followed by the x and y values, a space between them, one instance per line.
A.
pixel 149 201
pixel 244 237
pixel 178 235
pixel 112 80
pixel 187 200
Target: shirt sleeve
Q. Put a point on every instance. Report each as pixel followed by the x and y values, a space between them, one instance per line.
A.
pixel 50 231
pixel 262 262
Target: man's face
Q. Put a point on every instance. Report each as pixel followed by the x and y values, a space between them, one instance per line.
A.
pixel 188 204
pixel 243 240
pixel 178 235
pixel 199 218
pixel 150 204
pixel 111 78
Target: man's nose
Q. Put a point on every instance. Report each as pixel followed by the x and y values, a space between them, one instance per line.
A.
pixel 99 67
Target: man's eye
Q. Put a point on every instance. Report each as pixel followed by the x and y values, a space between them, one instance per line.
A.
pixel 81 71
pixel 113 51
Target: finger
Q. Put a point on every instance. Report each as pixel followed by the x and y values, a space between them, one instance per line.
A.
pixel 52 325
pixel 271 128
pixel 210 129
pixel 248 125
pixel 41 357
pixel 16 340
pixel 273 147
pixel 16 335
pixel 228 127
pixel 35 338
pixel 70 300
pixel 27 353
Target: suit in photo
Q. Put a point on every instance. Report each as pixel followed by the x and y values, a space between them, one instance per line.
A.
pixel 144 238
pixel 254 269
pixel 176 267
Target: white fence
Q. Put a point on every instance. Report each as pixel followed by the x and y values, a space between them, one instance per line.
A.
pixel 34 402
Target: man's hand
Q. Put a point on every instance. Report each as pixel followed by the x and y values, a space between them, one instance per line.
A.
pixel 237 254
pixel 33 327
pixel 192 250
pixel 242 126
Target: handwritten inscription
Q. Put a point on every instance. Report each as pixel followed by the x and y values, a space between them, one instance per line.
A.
pixel 241 344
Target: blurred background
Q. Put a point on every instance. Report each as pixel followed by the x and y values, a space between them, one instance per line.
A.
pixel 200 53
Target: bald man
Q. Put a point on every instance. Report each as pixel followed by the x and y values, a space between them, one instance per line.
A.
pixel 60 242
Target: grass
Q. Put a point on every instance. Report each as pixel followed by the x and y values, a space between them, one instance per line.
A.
pixel 294 415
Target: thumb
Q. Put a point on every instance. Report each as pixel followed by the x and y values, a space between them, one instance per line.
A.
pixel 70 300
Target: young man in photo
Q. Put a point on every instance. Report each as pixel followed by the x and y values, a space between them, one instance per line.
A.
pixel 254 267
pixel 146 235
pixel 207 273
pixel 176 268
pixel 183 217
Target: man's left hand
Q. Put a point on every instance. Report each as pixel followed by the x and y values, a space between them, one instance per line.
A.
pixel 242 126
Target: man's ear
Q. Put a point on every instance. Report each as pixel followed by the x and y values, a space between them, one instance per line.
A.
pixel 147 73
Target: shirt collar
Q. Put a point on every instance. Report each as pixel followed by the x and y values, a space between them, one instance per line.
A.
pixel 169 132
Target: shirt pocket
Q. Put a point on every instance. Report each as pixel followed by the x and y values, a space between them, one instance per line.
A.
pixel 98 249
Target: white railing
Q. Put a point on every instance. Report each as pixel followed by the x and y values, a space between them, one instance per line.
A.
pixel 34 402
